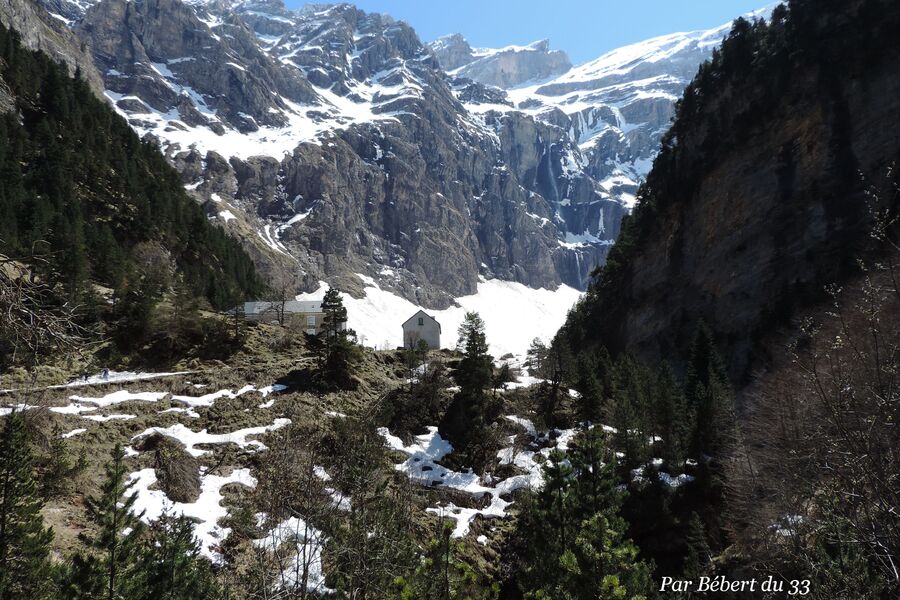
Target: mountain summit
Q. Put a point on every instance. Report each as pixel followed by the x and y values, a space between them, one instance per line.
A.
pixel 501 67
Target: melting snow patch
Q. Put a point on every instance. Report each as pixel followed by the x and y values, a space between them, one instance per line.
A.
pixel 73 433
pixel 72 409
pixel 104 418
pixel 207 510
pixel 184 411
pixel 306 553
pixel 420 466
pixel 193 438
pixel 115 377
pixel 209 399
pixel 786 525
pixel 271 389
pixel 7 410
pixel 121 396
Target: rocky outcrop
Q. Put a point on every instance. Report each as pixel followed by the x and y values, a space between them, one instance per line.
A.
pixel 756 202
pixel 333 143
pixel 162 53
pixel 41 31
pixel 503 67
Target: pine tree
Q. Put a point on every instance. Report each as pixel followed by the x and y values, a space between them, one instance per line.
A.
pixel 335 319
pixel 339 349
pixel 537 358
pixel 590 386
pixel 464 421
pixel 441 575
pixel 113 569
pixel 672 420
pixel 698 555
pixel 24 541
pixel 602 563
pixel 548 521
pixel 576 545
pixel 631 411
pixel 708 395
pixel 172 567
pixel 595 483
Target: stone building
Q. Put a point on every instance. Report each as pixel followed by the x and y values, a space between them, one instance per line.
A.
pixel 422 326
pixel 306 315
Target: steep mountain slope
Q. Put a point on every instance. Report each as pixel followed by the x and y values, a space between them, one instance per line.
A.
pixel 80 194
pixel 615 108
pixel 756 201
pixel 332 142
pixel 41 31
pixel 502 67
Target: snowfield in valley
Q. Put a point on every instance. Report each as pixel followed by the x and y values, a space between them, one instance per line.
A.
pixel 514 314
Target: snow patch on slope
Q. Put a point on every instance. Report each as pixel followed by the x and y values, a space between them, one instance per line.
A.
pixel 514 314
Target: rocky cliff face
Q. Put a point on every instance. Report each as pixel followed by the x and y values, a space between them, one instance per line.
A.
pixel 615 108
pixel 756 201
pixel 335 144
pixel 41 31
pixel 504 67
pixel 332 141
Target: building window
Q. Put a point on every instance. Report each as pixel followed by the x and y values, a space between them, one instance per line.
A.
pixel 421 321
pixel 311 321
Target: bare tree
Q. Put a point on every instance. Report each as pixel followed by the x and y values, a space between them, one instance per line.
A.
pixel 816 480
pixel 282 287
pixel 33 319
pixel 300 506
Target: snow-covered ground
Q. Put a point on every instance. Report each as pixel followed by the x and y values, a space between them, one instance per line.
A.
pixel 105 377
pixel 429 448
pixel 305 557
pixel 514 314
pixel 205 511
pixel 424 454
pixel 191 438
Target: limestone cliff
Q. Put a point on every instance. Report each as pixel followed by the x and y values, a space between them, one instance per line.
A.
pixel 756 200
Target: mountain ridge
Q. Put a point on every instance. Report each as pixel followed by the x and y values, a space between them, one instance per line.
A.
pixel 334 145
pixel 744 219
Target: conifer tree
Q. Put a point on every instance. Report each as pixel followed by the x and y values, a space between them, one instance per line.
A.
pixel 548 520
pixel 577 548
pixel 590 388
pixel 698 555
pixel 631 411
pixel 671 416
pixel 594 485
pixel 465 419
pixel 172 566
pixel 24 541
pixel 536 358
pixel 602 563
pixel 335 319
pixel 708 395
pixel 441 575
pixel 339 348
pixel 112 570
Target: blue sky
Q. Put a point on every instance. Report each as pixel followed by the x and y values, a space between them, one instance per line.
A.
pixel 585 29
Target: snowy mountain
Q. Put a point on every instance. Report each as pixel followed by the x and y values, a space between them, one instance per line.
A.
pixel 500 67
pixel 614 108
pixel 336 146
pixel 332 142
